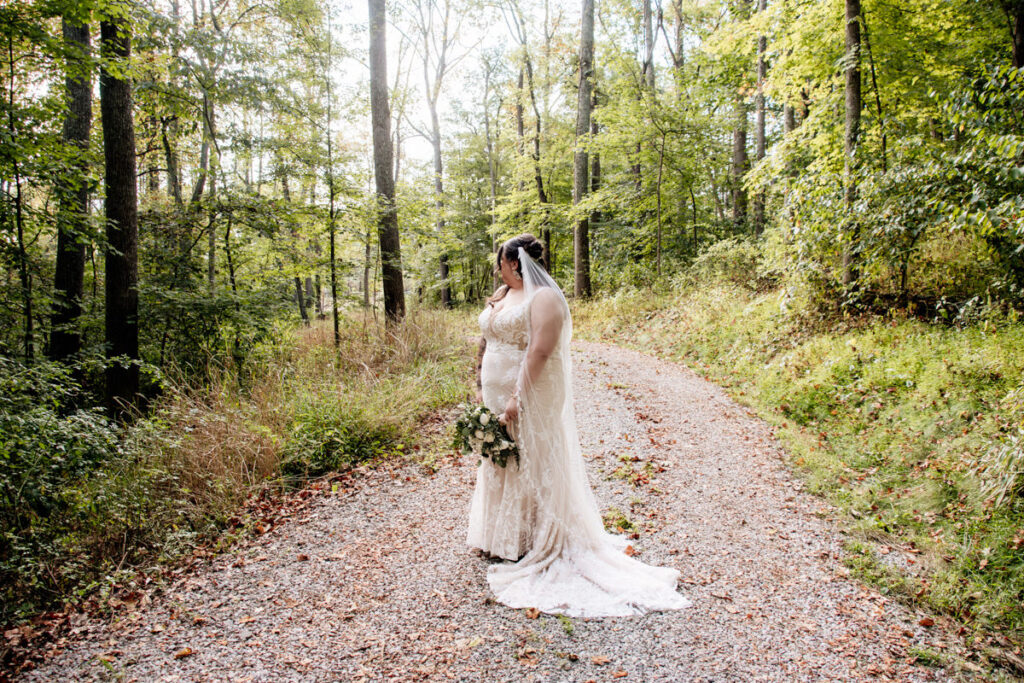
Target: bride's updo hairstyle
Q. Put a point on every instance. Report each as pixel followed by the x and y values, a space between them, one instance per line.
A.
pixel 509 251
pixel 530 244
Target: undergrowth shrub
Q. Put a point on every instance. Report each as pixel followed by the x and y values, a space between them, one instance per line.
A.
pixel 84 501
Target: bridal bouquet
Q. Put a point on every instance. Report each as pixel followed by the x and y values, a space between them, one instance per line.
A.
pixel 478 430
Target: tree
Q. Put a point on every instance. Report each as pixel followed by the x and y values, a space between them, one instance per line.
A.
pixel 852 134
pixel 437 30
pixel 383 167
pixel 581 231
pixel 121 206
pixel 759 113
pixel 72 220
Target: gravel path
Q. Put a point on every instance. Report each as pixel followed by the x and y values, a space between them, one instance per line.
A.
pixel 374 581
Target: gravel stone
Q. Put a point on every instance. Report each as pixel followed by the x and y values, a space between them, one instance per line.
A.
pixel 374 582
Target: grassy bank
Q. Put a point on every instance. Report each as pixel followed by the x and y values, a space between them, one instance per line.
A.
pixel 87 504
pixel 911 428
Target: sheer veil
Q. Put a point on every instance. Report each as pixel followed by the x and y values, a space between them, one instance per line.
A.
pixel 574 566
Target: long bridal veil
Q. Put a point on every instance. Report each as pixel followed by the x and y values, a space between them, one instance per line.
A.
pixel 574 566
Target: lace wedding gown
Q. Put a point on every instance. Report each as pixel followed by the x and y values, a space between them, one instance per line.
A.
pixel 542 514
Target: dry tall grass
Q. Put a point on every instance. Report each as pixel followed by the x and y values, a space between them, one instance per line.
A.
pixel 222 441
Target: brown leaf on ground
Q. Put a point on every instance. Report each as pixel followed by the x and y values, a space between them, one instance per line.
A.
pixel 600 660
pixel 184 652
pixel 630 550
pixel 532 613
pixel 619 674
pixel 927 621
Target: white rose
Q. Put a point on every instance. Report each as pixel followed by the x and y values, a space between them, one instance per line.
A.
pixel 485 418
pixel 479 434
pixel 488 438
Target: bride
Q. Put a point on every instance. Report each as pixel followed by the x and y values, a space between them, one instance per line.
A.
pixel 542 514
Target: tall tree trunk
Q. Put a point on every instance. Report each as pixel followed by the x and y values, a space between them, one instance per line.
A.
pixel 72 219
pixel 851 272
pixel 387 226
pixel 581 233
pixel 759 144
pixel 332 191
pixel 739 165
pixel 24 275
pixel 211 247
pixel 595 168
pixel 1015 18
pixel 492 170
pixel 538 177
pixel 435 133
pixel 121 206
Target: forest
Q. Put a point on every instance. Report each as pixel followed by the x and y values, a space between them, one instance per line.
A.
pixel 242 241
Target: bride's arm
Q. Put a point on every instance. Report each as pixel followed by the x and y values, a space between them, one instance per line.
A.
pixel 545 329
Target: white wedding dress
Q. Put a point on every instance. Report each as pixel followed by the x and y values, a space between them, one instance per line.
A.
pixel 542 514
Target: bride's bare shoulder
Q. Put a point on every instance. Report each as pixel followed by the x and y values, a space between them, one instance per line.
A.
pixel 547 303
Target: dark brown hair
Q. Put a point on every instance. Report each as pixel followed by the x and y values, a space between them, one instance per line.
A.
pixel 510 251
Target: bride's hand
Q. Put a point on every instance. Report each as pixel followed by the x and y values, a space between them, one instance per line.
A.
pixel 511 413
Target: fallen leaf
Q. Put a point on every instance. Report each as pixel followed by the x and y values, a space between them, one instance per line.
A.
pixel 183 653
pixel 600 660
pixel 532 613
pixel 246 620
pixel 619 674
pixel 303 557
pixel 630 551
pixel 927 621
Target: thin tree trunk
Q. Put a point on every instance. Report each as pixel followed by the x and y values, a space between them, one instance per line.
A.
pixel 332 195
pixel 581 233
pixel 367 265
pixel 878 96
pixel 387 226
pixel 492 170
pixel 121 206
pixel 851 272
pixel 661 167
pixel 72 219
pixel 595 168
pixel 739 165
pixel 435 130
pixel 538 177
pixel 759 144
pixel 168 128
pixel 520 126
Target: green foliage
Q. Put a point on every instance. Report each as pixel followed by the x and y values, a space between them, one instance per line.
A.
pixel 331 432
pixel 82 498
pixel 73 496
